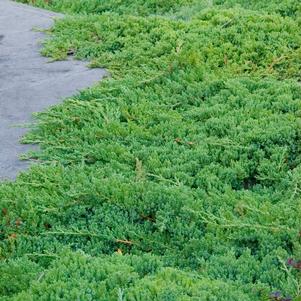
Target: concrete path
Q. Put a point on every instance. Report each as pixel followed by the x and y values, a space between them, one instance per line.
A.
pixel 28 82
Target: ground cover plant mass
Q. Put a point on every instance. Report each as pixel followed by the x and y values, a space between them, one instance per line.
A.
pixel 176 178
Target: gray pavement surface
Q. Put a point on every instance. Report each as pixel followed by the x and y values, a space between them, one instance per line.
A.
pixel 29 82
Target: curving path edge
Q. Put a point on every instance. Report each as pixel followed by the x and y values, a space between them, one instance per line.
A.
pixel 29 82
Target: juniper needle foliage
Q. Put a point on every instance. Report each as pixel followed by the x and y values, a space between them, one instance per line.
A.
pixel 178 176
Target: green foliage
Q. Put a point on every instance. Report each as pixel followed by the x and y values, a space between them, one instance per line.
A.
pixel 76 276
pixel 138 7
pixel 178 178
pixel 16 275
pixel 291 8
pixel 224 42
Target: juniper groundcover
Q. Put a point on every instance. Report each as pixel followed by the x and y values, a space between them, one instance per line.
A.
pixel 176 178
